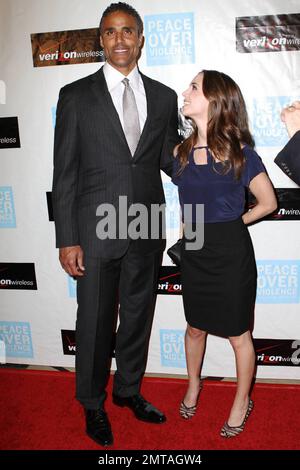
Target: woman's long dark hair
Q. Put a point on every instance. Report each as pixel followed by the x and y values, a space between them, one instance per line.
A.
pixel 227 126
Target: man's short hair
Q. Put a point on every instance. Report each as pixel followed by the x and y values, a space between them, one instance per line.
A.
pixel 124 7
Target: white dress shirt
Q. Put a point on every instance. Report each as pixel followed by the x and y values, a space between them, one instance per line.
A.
pixel 116 89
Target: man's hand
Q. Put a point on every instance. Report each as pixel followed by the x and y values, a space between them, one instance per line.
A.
pixel 71 259
pixel 291 117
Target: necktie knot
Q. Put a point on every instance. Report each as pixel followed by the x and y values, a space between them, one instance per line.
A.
pixel 131 121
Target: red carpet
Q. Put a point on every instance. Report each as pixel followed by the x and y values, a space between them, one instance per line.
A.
pixel 38 411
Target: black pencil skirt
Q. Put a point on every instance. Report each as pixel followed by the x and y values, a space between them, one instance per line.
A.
pixel 219 280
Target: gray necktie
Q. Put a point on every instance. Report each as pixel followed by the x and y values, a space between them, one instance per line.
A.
pixel 131 120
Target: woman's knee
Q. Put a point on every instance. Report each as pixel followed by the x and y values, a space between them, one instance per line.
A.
pixel 195 333
pixel 241 341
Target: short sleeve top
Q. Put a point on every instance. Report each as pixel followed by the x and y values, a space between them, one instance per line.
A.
pixel 223 195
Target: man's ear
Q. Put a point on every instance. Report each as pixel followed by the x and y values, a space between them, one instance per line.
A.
pixel 101 42
pixel 141 41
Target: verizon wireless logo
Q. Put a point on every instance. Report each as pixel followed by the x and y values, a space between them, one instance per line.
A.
pixel 66 56
pixel 12 284
pixel 270 33
pixel 68 341
pixel 286 212
pixel 169 282
pixel 269 43
pixel 66 47
pixel 17 276
pixel 277 352
pixel 9 133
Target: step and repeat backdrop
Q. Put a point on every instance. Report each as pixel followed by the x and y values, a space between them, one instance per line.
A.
pixel 48 43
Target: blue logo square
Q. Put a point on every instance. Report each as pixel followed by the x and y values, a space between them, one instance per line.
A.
pixel 172 351
pixel 53 114
pixel 17 338
pixel 72 284
pixel 2 352
pixel 278 282
pixel 267 127
pixel 172 206
pixel 170 39
pixel 7 208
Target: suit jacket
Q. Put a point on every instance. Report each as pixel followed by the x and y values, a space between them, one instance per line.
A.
pixel 93 164
pixel 289 158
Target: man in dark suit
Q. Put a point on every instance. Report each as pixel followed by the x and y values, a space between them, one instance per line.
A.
pixel 289 157
pixel 112 137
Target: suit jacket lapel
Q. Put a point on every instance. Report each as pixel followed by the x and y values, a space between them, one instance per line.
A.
pixel 99 88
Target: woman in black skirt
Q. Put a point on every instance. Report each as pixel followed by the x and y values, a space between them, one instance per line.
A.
pixel 213 166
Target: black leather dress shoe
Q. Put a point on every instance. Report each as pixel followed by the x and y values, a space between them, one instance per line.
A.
pixel 142 409
pixel 98 427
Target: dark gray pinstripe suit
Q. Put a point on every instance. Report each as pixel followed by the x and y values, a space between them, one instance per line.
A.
pixel 93 165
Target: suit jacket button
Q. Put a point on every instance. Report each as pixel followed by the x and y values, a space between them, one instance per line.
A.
pixel 133 165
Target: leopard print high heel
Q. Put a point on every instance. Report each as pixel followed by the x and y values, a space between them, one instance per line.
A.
pixel 187 412
pixel 232 431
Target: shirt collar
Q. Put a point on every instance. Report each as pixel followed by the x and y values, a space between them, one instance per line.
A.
pixel 113 77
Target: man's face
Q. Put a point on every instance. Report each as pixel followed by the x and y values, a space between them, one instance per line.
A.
pixel 120 41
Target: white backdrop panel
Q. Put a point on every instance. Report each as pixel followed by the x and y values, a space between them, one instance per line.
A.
pixel 31 94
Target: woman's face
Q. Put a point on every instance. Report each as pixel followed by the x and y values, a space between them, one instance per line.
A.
pixel 195 104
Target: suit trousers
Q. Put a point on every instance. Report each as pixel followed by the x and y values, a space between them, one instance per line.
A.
pixel 110 286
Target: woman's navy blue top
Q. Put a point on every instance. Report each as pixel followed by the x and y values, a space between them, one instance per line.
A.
pixel 223 196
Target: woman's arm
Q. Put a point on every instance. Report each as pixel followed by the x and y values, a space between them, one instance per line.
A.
pixel 261 187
